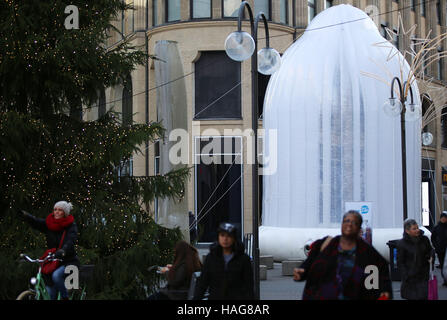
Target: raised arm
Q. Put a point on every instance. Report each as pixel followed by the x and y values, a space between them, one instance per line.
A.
pixel 36 223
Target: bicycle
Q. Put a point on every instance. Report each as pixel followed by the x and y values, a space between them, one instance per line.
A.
pixel 40 291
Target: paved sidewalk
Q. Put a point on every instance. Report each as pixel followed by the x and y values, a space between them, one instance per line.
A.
pixel 279 287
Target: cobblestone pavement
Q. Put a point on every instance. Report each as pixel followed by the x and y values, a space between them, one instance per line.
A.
pixel 279 287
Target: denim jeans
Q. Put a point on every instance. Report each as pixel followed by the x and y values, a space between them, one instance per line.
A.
pixel 58 277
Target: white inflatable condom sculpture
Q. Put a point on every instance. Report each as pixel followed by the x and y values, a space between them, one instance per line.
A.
pixel 335 144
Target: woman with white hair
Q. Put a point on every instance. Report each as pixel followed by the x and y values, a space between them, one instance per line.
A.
pixel 61 233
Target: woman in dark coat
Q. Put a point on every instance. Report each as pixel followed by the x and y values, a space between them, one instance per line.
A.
pixel 335 268
pixel 227 271
pixel 54 226
pixel 413 254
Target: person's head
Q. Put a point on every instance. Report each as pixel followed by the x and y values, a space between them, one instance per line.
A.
pixel 443 217
pixel 227 234
pixel 62 209
pixel 411 227
pixel 351 224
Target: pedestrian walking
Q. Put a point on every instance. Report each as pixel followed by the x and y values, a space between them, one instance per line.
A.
pixel 61 233
pixel 179 274
pixel 439 241
pixel 227 271
pixel 335 267
pixel 413 259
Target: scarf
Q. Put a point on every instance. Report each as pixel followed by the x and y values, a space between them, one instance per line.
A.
pixel 58 224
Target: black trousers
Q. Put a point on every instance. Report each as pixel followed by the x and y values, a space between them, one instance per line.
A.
pixel 441 257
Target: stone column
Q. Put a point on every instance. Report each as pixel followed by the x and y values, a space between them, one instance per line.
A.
pixel 405 42
pixel 443 30
pixel 185 10
pixel 217 9
pixel 389 15
pixel 432 24
pixel 276 11
pixel 301 13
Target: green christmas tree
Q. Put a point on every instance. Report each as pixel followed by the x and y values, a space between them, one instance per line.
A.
pixel 47 156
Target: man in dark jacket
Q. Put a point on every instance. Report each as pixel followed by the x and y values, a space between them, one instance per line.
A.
pixel 336 267
pixel 227 271
pixel 413 254
pixel 57 223
pixel 439 241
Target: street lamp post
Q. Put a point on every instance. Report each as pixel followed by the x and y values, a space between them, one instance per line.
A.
pixel 395 107
pixel 240 46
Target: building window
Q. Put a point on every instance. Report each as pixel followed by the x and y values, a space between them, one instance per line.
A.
pixel 444 127
pixel 127 103
pixel 423 8
pixel 230 8
pixel 217 86
pixel 263 81
pixel 396 39
pixel 156 172
pixel 438 11
pixel 440 66
pixel 125 168
pixel 76 111
pixel 173 10
pixel 328 4
pixel 284 12
pixel 311 10
pixel 201 9
pixel 424 66
pixel 102 103
pixel 218 184
pixel 383 32
pixel 155 12
pixel 264 6
pixel 427 106
pixel 413 5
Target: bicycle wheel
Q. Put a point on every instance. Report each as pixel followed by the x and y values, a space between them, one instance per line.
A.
pixel 27 295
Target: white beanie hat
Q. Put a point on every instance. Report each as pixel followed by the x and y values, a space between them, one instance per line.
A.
pixel 64 205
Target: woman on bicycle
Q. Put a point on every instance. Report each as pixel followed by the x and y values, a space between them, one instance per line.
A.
pixel 57 223
pixel 179 274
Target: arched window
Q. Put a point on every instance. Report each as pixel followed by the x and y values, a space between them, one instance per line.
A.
pixel 444 127
pixel 126 166
pixel 429 117
pixel 76 109
pixel 127 110
pixel 102 103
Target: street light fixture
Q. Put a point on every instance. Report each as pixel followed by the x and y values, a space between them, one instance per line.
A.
pixel 240 46
pixel 427 138
pixel 394 107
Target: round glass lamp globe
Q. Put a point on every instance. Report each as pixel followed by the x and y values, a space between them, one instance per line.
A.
pixel 413 112
pixel 239 45
pixel 392 107
pixel 269 61
pixel 427 138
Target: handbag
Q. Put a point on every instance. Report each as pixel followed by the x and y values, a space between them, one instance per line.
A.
pixel 432 284
pixel 48 267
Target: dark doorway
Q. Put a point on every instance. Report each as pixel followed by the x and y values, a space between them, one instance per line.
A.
pixel 428 194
